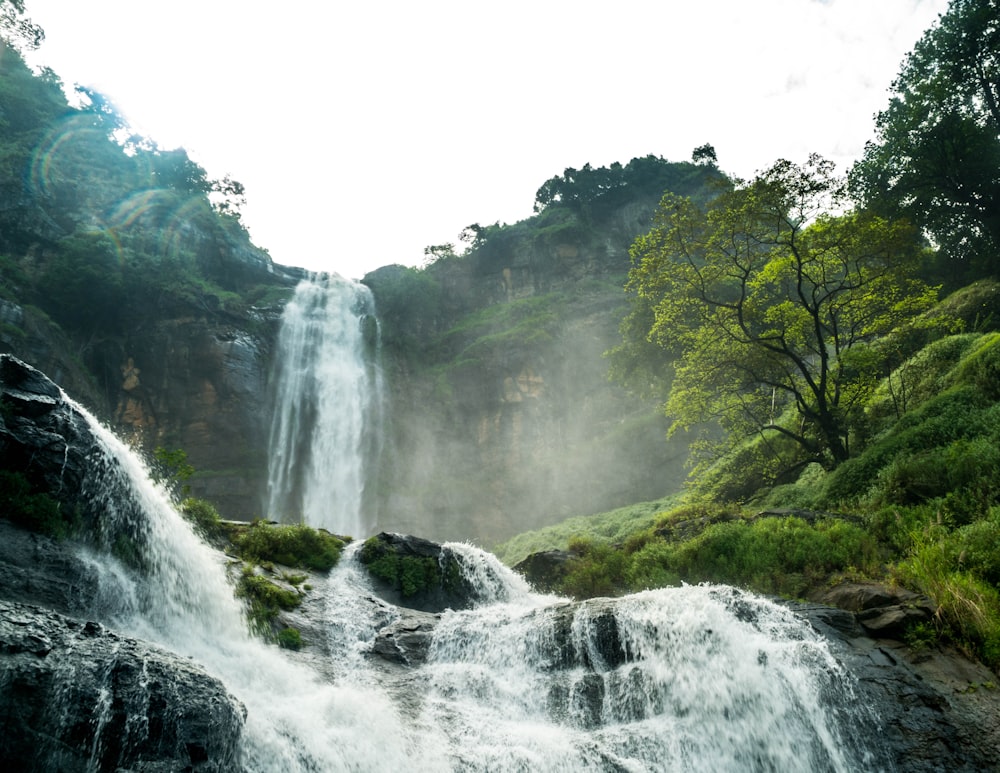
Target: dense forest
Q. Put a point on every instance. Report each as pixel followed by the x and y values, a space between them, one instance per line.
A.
pixel 824 347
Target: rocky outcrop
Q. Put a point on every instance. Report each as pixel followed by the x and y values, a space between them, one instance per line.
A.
pixel 416 573
pixel 884 612
pixel 77 697
pixel 545 570
pixel 41 436
pixel 199 383
pixel 934 710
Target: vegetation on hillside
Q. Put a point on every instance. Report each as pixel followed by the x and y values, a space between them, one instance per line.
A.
pixel 99 225
pixel 852 419
pixel 794 319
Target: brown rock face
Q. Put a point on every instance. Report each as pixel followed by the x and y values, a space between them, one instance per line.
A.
pixel 200 384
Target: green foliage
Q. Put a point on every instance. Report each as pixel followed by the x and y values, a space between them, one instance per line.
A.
pixel 608 528
pixel 290 638
pixel 172 465
pixel 936 157
pixel 295 546
pixel 264 600
pixel 775 555
pixel 593 194
pixel 598 570
pixel 968 602
pixel 16 28
pixel 204 516
pixel 408 301
pixel 981 366
pixel 767 299
pixel 786 556
pixel 33 510
pixel 407 574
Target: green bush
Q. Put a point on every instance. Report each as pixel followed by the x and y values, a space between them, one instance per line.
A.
pixel 940 565
pixel 203 515
pixel 264 599
pixel 35 511
pixel 408 574
pixel 290 638
pixel 295 546
pixel 598 569
pixel 775 555
pixel 981 366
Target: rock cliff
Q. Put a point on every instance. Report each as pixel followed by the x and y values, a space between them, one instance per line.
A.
pixel 75 696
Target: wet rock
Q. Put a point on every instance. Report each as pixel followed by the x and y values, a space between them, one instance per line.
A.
pixel 416 573
pixel 931 711
pixel 36 569
pixel 883 611
pixel 77 697
pixel 545 570
pixel 406 641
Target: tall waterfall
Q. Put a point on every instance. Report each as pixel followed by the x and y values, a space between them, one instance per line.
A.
pixel 327 405
pixel 684 679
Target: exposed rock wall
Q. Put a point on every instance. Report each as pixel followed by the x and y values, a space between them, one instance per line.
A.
pixel 497 431
pixel 77 697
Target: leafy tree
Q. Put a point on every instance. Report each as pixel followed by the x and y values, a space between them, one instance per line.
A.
pixel 704 154
pixel 768 300
pixel 229 196
pixel 16 28
pixel 936 158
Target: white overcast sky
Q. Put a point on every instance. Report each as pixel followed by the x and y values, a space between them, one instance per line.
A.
pixel 365 131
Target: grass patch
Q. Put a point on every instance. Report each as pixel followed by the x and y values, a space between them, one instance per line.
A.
pixel 297 546
pixel 612 527
pixel 264 600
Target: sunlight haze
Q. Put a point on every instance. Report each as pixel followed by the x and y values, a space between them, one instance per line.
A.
pixel 364 132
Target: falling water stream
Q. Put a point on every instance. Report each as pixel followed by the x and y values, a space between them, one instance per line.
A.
pixel 327 399
pixel 703 678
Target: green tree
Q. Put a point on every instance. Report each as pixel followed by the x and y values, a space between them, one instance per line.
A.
pixel 16 28
pixel 767 300
pixel 936 156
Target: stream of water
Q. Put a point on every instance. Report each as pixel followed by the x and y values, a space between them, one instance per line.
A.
pixel 327 402
pixel 693 679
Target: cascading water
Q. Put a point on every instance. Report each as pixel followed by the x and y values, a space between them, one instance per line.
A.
pixel 327 404
pixel 694 678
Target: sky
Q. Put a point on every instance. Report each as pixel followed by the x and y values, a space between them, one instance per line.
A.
pixel 367 131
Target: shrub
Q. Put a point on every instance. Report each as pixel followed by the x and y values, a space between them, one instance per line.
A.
pixel 290 638
pixel 981 366
pixel 968 605
pixel 264 599
pixel 203 515
pixel 296 546
pixel 597 569
pixel 408 574
pixel 35 511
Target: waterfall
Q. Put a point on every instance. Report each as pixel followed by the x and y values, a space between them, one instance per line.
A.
pixel 680 679
pixel 327 401
pixel 183 601
pixel 704 678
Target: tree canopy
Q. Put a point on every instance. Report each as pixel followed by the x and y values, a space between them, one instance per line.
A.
pixel 767 298
pixel 936 156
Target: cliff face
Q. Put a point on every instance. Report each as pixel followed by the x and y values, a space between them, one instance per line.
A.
pixel 503 418
pixel 198 384
pixel 186 375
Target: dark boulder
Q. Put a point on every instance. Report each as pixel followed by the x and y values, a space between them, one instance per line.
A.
pixel 545 570
pixel 933 710
pixel 883 611
pixel 77 697
pixel 406 641
pixel 417 573
pixel 41 436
